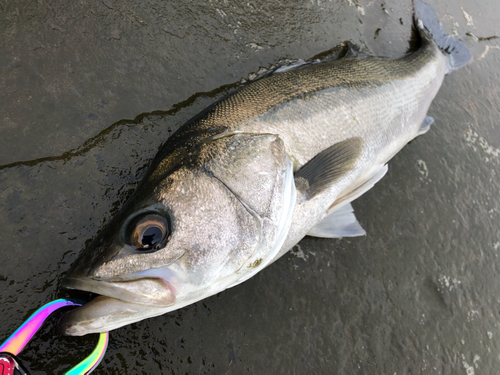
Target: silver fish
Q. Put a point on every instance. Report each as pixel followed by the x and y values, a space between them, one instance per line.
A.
pixel 244 181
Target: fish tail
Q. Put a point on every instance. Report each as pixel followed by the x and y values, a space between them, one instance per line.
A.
pixel 429 28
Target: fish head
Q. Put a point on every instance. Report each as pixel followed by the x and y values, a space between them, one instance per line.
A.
pixel 185 234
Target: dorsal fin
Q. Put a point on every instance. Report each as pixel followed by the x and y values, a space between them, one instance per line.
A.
pixel 329 165
pixel 294 65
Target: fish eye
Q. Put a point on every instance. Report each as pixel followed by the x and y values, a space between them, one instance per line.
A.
pixel 148 232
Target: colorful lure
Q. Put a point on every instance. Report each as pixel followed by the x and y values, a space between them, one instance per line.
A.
pixel 18 340
pixel 93 360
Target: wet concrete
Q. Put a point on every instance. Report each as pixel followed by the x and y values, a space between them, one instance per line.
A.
pixel 418 294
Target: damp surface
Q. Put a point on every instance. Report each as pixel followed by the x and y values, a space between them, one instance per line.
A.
pixel 90 91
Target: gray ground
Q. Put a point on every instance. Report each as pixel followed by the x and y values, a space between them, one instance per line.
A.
pixel 418 294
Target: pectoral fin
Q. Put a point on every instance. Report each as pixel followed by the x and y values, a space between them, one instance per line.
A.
pixel 341 223
pixel 328 166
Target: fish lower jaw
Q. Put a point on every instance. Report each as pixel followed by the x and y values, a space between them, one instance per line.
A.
pixel 112 309
pixel 118 304
pixel 103 314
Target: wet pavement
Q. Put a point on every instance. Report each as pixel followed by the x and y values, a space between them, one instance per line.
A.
pixel 90 91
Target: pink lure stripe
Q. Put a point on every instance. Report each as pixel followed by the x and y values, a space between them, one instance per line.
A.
pixel 18 340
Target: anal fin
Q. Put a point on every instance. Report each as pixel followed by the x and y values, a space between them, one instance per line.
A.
pixel 341 223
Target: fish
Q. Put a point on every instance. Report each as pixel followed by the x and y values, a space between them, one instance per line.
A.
pixel 245 180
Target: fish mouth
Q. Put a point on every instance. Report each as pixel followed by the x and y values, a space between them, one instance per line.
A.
pixel 119 303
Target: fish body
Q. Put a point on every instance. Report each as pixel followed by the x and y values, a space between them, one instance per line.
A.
pixel 244 181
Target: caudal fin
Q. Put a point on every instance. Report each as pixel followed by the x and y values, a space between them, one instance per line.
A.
pixel 428 25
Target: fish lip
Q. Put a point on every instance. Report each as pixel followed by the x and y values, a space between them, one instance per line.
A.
pixel 121 290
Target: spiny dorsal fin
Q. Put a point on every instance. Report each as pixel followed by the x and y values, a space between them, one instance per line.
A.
pixel 329 165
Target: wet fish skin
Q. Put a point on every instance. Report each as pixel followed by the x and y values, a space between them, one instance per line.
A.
pixel 225 179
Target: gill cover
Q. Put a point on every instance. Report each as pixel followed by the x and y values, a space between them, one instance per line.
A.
pixel 228 205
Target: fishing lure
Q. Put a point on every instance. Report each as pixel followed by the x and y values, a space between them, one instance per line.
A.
pixel 10 365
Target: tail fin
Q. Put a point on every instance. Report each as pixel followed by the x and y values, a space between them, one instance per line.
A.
pixel 428 25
